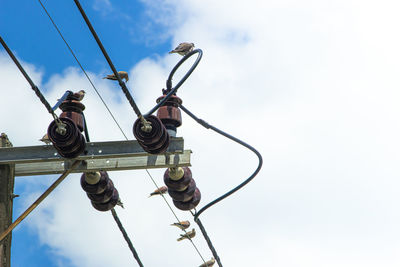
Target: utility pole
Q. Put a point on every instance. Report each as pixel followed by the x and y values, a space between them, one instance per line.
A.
pixel 44 160
pixel 6 203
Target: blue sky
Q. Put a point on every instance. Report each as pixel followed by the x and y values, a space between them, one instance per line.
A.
pixel 313 85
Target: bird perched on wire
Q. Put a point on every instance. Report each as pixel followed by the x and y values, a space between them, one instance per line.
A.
pixel 188 235
pixel 208 263
pixel 78 95
pixel 45 139
pixel 122 74
pixel 183 49
pixel 182 225
pixel 159 191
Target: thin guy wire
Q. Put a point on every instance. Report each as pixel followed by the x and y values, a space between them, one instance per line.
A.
pixel 80 65
pixel 122 229
pixel 103 50
pixel 176 217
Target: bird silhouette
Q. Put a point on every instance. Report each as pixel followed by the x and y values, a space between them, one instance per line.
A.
pixel 122 74
pixel 183 49
pixel 188 235
pixel 208 263
pixel 182 225
pixel 159 191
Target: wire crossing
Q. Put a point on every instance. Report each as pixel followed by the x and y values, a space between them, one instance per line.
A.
pixel 121 83
pixel 82 68
pixel 155 108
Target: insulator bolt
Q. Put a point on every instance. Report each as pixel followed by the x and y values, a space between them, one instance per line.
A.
pixel 176 173
pixel 61 129
pixel 92 177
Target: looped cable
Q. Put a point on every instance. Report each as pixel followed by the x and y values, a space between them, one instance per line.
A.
pixel 171 91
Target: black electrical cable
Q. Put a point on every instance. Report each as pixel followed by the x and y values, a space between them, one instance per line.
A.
pixel 260 160
pixel 121 83
pixel 121 228
pixel 208 240
pixel 197 213
pixel 171 91
pixel 34 87
pixel 80 65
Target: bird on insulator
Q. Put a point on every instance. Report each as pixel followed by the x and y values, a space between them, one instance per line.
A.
pixel 188 235
pixel 182 225
pixel 79 95
pixel 208 263
pixel 183 49
pixel 122 74
pixel 45 139
pixel 159 191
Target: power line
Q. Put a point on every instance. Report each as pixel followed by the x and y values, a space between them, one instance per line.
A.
pixel 80 65
pixel 152 179
pixel 122 229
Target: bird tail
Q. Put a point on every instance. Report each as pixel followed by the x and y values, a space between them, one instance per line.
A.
pixel 171 52
pixel 180 238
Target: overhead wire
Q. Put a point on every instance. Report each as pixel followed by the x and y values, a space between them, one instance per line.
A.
pixel 82 68
pixel 127 94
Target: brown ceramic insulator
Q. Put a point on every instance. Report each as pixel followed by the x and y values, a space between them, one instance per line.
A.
pixel 180 184
pixel 169 113
pixel 189 204
pixel 98 187
pixel 73 109
pixel 157 140
pixel 73 150
pixel 109 204
pixel 185 195
pixel 104 196
pixel 70 137
pixel 76 117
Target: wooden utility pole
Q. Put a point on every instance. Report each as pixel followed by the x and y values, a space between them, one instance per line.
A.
pixel 6 204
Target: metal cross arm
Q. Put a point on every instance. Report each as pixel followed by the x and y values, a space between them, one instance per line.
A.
pixel 107 156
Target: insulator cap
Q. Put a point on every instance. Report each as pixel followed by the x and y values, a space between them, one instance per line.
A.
pixel 181 184
pixel 69 145
pixel 157 140
pixel 184 195
pixel 189 204
pixel 97 188
pixel 109 204
pixel 73 109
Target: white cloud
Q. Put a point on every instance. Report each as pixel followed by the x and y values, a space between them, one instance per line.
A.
pixel 313 86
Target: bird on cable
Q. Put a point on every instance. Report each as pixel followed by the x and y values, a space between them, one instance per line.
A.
pixel 78 95
pixel 188 235
pixel 122 74
pixel 45 139
pixel 183 49
pixel 182 225
pixel 208 263
pixel 159 191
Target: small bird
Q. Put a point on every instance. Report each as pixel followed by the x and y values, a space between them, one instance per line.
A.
pixel 183 49
pixel 188 235
pixel 79 95
pixel 122 74
pixel 159 191
pixel 208 263
pixel 45 139
pixel 182 225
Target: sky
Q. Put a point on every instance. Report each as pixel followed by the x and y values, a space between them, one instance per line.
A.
pixel 312 85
